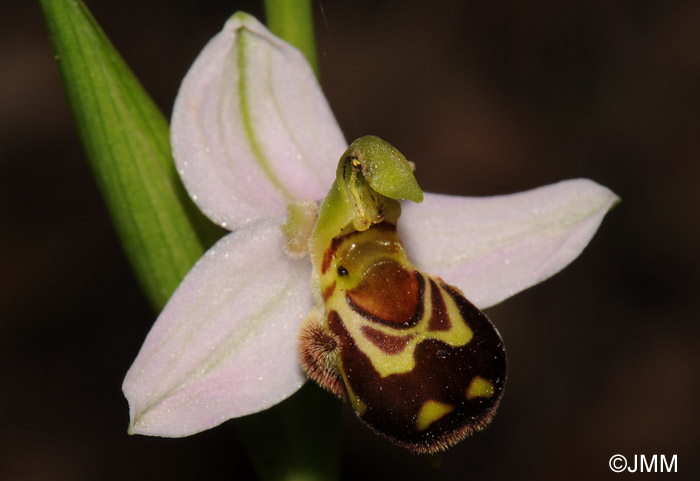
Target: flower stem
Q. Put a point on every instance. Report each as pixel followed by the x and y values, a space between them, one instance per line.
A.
pixel 297 440
pixel 292 21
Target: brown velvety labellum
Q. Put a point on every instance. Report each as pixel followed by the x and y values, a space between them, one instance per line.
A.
pixel 419 364
pixel 442 374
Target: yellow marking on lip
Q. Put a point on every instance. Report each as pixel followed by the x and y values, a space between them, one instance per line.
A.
pixel 431 412
pixel 357 405
pixel 386 364
pixel 480 387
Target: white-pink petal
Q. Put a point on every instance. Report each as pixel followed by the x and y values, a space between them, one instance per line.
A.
pixel 494 247
pixel 251 128
pixel 226 343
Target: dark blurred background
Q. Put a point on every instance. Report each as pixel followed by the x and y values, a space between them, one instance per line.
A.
pixel 487 98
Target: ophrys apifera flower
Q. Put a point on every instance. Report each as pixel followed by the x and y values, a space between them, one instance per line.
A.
pixel 257 148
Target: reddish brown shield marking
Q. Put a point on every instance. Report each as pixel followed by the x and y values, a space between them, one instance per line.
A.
pixel 390 294
pixel 385 342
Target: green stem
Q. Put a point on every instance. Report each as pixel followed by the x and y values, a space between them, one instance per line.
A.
pixel 297 440
pixel 292 21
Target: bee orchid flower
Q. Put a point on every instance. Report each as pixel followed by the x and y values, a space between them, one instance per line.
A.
pixel 257 146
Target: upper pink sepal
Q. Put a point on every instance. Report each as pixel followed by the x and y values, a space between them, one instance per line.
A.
pixel 494 247
pixel 251 128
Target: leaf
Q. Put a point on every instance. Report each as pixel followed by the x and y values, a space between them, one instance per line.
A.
pixel 126 140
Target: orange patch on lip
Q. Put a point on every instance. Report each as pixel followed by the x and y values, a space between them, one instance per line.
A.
pixel 388 293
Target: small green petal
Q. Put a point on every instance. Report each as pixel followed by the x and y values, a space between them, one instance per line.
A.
pixel 301 217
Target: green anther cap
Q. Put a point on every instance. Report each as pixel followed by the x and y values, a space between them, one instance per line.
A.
pixel 372 175
pixel 385 169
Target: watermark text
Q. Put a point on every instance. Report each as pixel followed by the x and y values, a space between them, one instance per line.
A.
pixel 644 463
